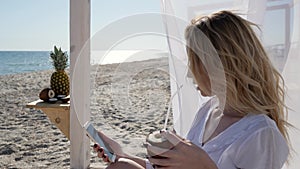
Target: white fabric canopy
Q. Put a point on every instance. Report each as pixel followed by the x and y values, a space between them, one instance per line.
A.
pixel 280 31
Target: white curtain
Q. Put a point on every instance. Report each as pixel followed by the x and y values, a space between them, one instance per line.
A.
pixel 280 31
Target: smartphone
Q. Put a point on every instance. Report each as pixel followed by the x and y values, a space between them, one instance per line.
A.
pixel 92 133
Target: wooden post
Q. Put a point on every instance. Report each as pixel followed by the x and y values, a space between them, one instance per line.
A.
pixel 80 81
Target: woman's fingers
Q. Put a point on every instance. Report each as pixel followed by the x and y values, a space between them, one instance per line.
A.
pixel 160 162
pixel 100 152
pixel 164 162
pixel 105 158
pixel 95 147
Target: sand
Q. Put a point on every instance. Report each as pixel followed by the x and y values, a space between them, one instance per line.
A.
pixel 128 101
pixel 29 140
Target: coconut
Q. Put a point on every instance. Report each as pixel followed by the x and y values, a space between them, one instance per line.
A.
pixel 46 94
pixel 156 139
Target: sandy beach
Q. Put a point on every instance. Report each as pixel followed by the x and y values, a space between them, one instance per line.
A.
pixel 29 140
pixel 128 101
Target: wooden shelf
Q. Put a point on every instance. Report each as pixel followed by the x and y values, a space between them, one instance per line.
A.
pixel 58 113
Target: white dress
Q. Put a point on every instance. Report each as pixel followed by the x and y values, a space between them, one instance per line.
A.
pixel 254 142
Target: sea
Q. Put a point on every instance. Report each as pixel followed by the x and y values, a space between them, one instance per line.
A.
pixel 13 62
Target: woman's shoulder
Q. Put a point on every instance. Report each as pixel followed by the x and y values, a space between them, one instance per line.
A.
pixel 257 122
pixel 262 142
pixel 257 127
pixel 259 131
pixel 253 128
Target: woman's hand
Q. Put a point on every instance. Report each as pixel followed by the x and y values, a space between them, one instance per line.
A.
pixel 100 153
pixel 184 154
pixel 111 145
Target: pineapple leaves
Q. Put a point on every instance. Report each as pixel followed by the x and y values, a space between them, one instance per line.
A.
pixel 55 50
pixel 59 59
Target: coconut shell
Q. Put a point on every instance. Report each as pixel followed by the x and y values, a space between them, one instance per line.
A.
pixel 46 94
pixel 156 139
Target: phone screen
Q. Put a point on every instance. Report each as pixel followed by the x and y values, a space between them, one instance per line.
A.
pixel 92 133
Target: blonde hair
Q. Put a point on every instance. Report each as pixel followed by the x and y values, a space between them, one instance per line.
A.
pixel 253 85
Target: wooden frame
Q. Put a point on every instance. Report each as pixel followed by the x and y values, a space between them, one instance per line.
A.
pixel 80 82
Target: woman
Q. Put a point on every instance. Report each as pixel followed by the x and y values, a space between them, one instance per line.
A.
pixel 250 130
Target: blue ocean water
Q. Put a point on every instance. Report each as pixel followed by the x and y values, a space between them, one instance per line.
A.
pixel 12 62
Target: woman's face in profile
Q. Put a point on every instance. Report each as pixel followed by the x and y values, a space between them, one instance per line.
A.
pixel 202 79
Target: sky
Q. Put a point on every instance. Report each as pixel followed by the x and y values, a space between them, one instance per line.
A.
pixel 33 24
pixel 41 24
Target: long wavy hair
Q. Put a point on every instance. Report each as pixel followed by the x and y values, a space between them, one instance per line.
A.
pixel 252 82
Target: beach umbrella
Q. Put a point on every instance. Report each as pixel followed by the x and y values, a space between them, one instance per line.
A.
pixel 280 32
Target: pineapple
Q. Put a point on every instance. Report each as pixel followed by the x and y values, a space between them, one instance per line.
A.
pixel 60 82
